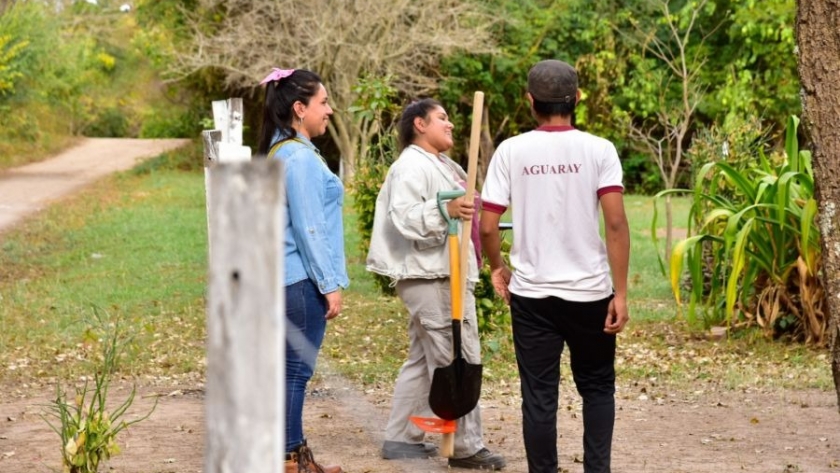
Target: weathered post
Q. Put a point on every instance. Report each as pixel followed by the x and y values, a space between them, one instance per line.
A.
pixel 211 139
pixel 245 310
pixel 223 144
pixel 227 118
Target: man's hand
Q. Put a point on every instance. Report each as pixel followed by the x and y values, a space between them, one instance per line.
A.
pixel 617 315
pixel 333 304
pixel 500 278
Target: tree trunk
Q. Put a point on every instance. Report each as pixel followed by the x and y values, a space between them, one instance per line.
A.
pixel 818 39
pixel 346 141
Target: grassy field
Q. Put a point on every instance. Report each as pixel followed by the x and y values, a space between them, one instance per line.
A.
pixel 133 247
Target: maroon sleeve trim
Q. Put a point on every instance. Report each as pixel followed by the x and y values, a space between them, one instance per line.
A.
pixel 610 190
pixel 491 207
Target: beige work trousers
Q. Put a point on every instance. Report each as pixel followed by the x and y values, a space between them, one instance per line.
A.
pixel 430 346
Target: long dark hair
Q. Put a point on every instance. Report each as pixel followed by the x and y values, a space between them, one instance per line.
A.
pixel 420 108
pixel 280 96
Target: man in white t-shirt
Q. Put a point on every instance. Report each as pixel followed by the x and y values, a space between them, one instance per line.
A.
pixel 555 179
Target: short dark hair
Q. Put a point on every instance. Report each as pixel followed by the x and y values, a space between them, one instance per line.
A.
pixel 419 108
pixel 548 109
pixel 280 96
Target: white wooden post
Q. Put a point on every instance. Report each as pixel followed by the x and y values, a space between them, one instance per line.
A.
pixel 227 117
pixel 223 144
pixel 221 118
pixel 246 310
pixel 211 139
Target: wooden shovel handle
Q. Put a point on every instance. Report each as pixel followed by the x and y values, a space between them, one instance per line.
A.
pixel 472 171
pixel 447 445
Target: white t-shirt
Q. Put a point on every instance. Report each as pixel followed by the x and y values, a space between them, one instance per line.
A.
pixel 552 179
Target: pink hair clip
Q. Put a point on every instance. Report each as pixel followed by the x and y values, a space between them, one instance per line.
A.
pixel 277 74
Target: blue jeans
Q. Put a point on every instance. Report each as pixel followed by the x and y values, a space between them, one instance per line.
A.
pixel 306 323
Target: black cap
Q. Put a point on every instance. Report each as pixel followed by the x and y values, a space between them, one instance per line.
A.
pixel 553 81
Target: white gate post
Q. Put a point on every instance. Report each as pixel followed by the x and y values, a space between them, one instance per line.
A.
pixel 227 118
pixel 245 314
pixel 223 145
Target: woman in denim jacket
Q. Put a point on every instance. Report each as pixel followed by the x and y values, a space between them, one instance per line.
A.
pixel 296 110
pixel 408 244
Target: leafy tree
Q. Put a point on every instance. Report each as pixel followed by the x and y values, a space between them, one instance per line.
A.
pixel 753 65
pixel 618 80
pixel 664 88
pixel 527 32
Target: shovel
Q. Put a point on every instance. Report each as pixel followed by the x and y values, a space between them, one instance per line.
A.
pixel 456 387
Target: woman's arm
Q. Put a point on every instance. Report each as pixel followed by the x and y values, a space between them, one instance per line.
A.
pixel 306 180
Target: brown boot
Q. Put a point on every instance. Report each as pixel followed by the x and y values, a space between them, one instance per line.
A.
pixel 302 461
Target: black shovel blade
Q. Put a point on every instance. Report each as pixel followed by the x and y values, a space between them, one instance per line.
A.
pixel 455 389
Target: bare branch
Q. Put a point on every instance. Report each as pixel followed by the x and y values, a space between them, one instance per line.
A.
pixel 342 41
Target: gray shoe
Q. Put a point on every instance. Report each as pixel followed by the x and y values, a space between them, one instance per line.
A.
pixel 482 460
pixel 395 450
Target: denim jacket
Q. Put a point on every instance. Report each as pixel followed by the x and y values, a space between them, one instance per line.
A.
pixel 314 232
pixel 409 233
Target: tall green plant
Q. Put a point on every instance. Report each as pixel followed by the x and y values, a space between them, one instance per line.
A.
pixel 88 430
pixel 754 255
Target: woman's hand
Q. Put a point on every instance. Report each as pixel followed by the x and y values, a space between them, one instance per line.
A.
pixel 333 304
pixel 460 208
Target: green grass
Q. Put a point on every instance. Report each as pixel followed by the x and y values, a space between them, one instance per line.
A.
pixel 649 291
pixel 135 246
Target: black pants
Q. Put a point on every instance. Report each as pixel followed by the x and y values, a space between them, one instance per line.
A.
pixel 540 327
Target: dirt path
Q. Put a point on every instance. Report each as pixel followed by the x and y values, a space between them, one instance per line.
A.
pixel 696 431
pixel 712 432
pixel 27 189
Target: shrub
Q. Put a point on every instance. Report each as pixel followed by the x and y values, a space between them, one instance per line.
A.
pixel 28 39
pixel 754 257
pixel 370 175
pixel 172 122
pixel 491 310
pixel 9 72
pixel 110 122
